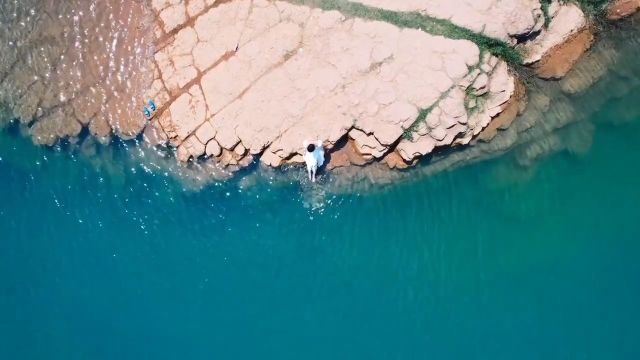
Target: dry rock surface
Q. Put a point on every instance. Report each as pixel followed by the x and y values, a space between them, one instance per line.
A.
pixel 242 78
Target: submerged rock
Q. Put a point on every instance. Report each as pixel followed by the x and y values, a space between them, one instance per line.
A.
pixel 72 63
pixel 622 8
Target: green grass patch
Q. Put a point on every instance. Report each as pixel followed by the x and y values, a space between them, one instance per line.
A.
pixel 416 20
pixel 473 103
pixel 545 11
pixel 422 116
pixel 593 8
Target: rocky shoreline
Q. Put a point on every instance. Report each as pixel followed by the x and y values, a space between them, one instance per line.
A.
pixel 241 81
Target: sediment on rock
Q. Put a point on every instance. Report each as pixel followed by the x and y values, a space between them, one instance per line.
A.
pixel 560 59
pixel 514 107
pixel 561 43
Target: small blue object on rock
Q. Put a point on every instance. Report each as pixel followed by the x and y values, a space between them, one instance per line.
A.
pixel 147 113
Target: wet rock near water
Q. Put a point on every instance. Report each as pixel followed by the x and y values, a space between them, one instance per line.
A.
pixel 619 9
pixel 71 64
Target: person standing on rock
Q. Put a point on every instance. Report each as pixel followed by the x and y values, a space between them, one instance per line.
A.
pixel 313 157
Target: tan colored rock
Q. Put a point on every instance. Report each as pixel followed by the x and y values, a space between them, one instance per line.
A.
pixel 554 52
pixel 219 31
pixel 504 119
pixel 619 9
pixel 213 148
pixel 271 159
pixel 205 132
pixel 99 126
pixel 344 155
pixel 367 144
pixel 157 92
pixel 561 59
pixel 260 77
pixel 194 146
pixel 195 7
pixel 240 150
pixel 86 107
pixel 566 19
pixel 222 85
pixel 176 62
pixel 260 103
pixel 54 126
pixel 27 109
pixel 395 161
pixel 172 13
pixel 481 84
pixel 85 59
pixel 186 114
pixel 245 161
pixel 182 153
pixel 227 158
pixel 410 149
pixel 154 135
pixel 448 123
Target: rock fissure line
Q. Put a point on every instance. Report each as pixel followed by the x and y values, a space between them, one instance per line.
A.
pixel 422 117
pixel 416 20
pixel 168 36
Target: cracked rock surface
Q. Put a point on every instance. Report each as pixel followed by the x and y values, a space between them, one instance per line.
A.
pixel 255 78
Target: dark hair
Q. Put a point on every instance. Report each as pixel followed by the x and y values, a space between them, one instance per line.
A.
pixel 311 147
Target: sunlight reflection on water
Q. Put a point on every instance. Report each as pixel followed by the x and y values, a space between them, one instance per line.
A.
pixel 73 63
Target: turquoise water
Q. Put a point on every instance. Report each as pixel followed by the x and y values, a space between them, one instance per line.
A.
pixel 104 254
pixel 465 264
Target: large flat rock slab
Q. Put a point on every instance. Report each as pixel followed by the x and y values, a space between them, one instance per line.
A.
pixel 257 78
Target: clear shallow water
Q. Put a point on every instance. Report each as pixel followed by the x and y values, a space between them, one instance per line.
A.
pixel 481 262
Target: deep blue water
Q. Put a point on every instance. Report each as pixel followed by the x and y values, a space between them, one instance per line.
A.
pixel 466 264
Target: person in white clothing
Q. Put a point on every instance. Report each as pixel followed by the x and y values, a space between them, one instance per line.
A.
pixel 314 157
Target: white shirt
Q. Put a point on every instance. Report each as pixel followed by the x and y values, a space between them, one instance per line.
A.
pixel 314 159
